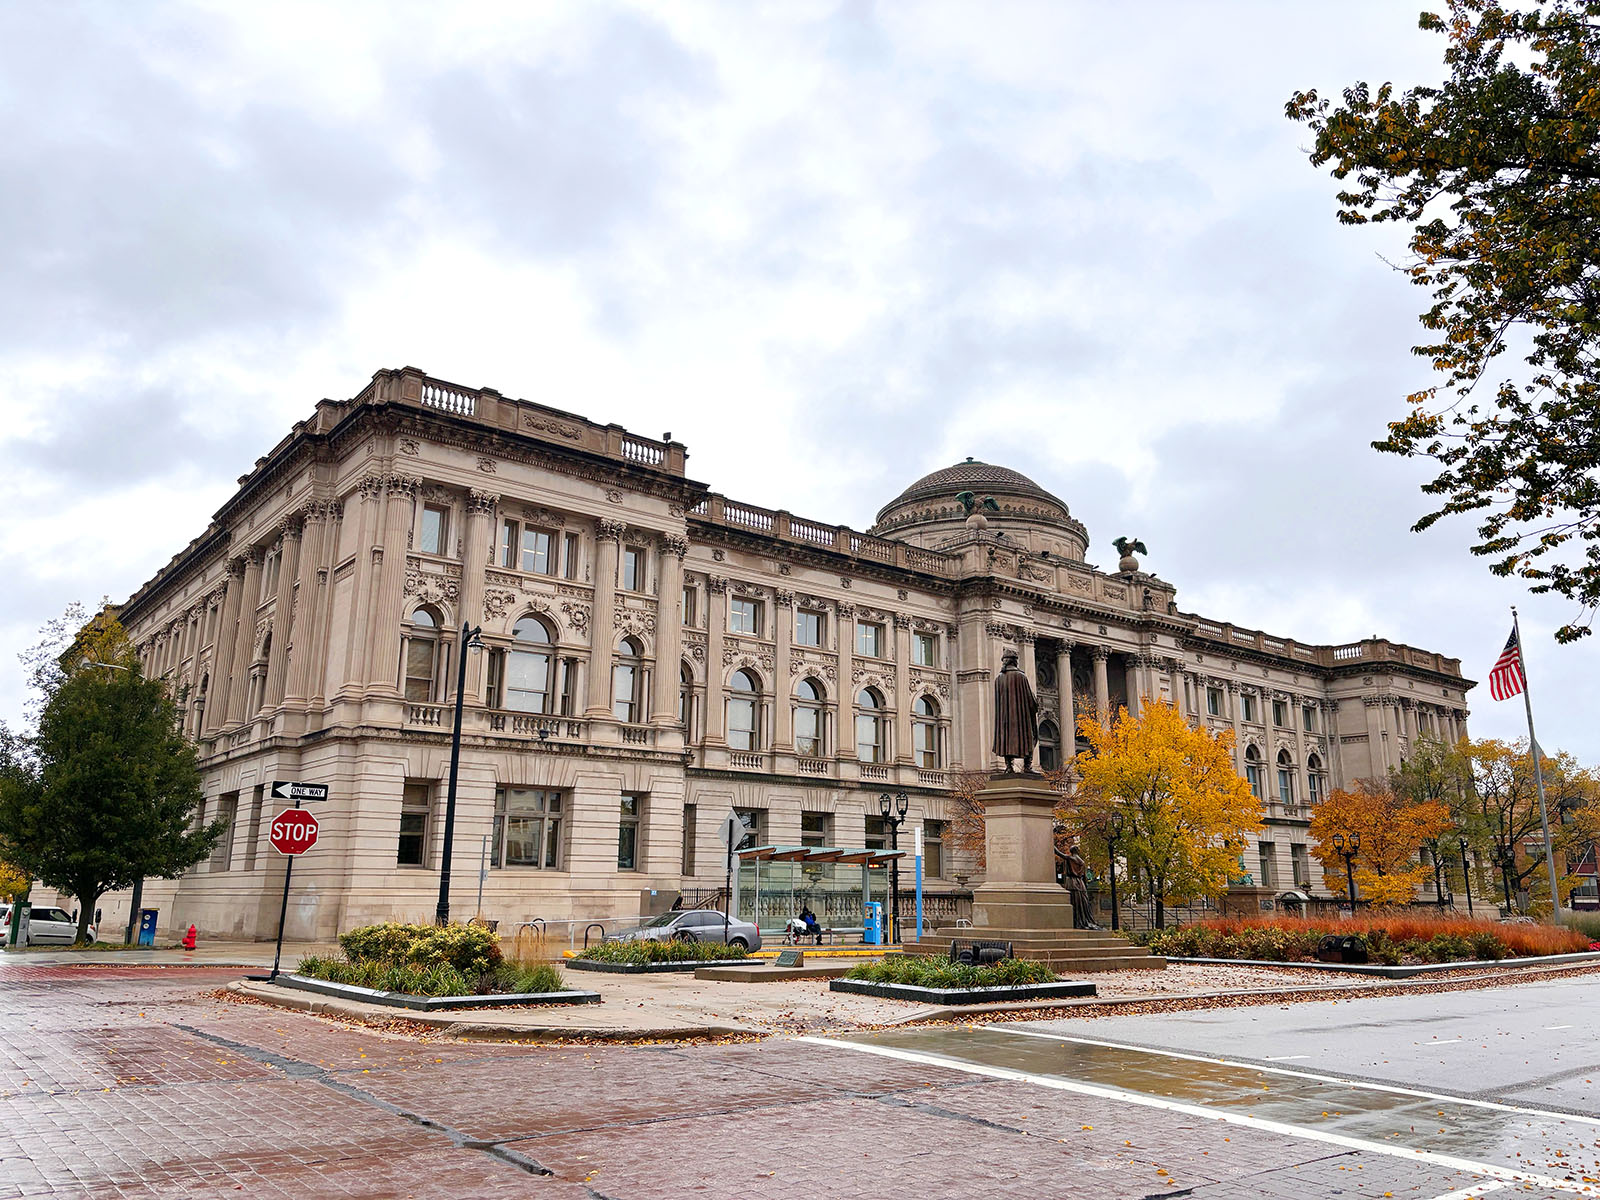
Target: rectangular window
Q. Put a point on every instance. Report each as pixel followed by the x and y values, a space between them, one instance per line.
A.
pixel 1308 719
pixel 510 543
pixel 1214 701
pixel 253 830
pixel 415 805
pixel 1298 856
pixel 569 686
pixel 744 616
pixel 1253 773
pixel 435 529
pixel 628 857
pixel 1313 788
pixel 1247 707
pixel 420 655
pixel 570 563
pixel 537 547
pixel 689 815
pixel 877 835
pixel 222 854
pixel 924 650
pixel 633 569
pixel 1286 785
pixel 932 849
pixel 869 640
pixel 624 688
pixel 807 628
pixel 1280 713
pixel 815 828
pixel 527 828
pixel 756 820
pixel 1269 874
pixel 688 608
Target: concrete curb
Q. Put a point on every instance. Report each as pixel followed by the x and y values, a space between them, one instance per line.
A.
pixel 365 995
pixel 1406 972
pixel 454 1026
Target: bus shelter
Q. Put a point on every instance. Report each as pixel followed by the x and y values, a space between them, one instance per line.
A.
pixel 773 883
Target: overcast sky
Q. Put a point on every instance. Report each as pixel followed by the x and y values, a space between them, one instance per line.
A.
pixel 830 246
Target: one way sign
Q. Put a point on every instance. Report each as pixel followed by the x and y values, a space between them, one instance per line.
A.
pixel 286 789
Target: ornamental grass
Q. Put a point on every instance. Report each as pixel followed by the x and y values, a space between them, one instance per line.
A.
pixel 639 952
pixel 942 973
pixel 438 979
pixel 1392 938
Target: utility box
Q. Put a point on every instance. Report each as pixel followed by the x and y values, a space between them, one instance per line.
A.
pixel 872 923
pixel 16 932
pixel 147 926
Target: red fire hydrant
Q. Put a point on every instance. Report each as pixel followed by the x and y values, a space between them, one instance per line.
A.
pixel 188 938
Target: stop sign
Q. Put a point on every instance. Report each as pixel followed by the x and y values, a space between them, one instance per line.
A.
pixel 294 831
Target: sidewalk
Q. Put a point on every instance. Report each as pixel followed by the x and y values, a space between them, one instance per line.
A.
pixel 207 954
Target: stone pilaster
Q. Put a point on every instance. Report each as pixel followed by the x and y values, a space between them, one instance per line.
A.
pixel 222 669
pixel 244 636
pixel 388 609
pixel 669 632
pixel 1302 772
pixel 902 689
pixel 845 702
pixel 307 601
pixel 782 700
pixel 475 551
pixel 368 554
pixel 602 622
pixel 716 714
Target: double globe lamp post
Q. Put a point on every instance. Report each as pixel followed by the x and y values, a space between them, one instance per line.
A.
pixel 471 639
pixel 1348 848
pixel 893 809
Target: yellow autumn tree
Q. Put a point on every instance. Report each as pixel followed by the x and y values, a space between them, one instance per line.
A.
pixel 1186 812
pixel 14 882
pixel 1392 830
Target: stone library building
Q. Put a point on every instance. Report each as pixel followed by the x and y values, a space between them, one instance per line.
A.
pixel 654 655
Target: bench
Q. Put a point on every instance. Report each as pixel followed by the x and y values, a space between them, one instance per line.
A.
pixel 832 934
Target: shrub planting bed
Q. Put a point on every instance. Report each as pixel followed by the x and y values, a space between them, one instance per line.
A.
pixel 1391 940
pixel 426 966
pixel 939 981
pixel 636 957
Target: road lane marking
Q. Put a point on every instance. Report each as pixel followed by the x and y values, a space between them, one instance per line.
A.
pixel 1439 1042
pixel 1558 1026
pixel 1388 1149
pixel 1293 1074
pixel 1287 1057
pixel 1472 1193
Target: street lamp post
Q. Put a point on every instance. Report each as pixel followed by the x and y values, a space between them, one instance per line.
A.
pixel 1113 834
pixel 1466 878
pixel 471 639
pixel 889 806
pixel 1438 865
pixel 1348 848
pixel 1508 864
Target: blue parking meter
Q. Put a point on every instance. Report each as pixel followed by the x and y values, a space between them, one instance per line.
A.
pixel 872 923
pixel 147 926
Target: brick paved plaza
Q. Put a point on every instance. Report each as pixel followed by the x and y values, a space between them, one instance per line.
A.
pixel 121 1081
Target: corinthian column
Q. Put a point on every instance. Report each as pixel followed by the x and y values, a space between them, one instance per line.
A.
pixel 902 689
pixel 306 599
pixel 716 623
pixel 480 527
pixel 1066 715
pixel 388 609
pixel 1102 685
pixel 222 656
pixel 608 544
pixel 669 632
pixel 244 635
pixel 283 612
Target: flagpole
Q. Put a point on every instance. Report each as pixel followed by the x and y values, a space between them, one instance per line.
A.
pixel 1538 776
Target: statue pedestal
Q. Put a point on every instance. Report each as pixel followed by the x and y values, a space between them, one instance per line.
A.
pixel 1020 901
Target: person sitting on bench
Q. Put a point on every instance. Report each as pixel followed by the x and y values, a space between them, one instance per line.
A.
pixel 810 919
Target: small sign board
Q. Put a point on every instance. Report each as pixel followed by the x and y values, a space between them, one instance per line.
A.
pixel 288 789
pixel 790 958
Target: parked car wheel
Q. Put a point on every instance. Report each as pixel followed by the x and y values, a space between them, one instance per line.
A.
pixel 684 935
pixel 740 942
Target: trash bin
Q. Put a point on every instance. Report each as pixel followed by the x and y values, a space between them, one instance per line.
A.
pixel 147 926
pixel 872 923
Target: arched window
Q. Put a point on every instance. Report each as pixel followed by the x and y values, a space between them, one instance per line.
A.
pixel 1049 746
pixel 528 676
pixel 1313 779
pixel 627 675
pixel 1252 771
pixel 808 720
pixel 869 726
pixel 925 732
pixel 422 657
pixel 743 706
pixel 1285 777
pixel 685 698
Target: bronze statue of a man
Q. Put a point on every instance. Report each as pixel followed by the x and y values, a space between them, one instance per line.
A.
pixel 1016 715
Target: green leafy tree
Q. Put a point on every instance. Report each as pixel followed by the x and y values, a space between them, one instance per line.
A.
pixel 106 792
pixel 1497 172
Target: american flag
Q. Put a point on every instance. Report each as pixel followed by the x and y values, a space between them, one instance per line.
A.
pixel 1505 677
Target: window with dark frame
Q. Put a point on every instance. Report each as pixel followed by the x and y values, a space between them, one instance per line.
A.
pixel 744 616
pixel 628 825
pixel 807 628
pixel 690 816
pixel 1214 701
pixel 527 828
pixel 869 639
pixel 815 828
pixel 415 807
pixel 633 569
pixel 924 650
pixel 932 849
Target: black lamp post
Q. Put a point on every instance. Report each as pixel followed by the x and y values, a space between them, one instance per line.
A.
pixel 1466 879
pixel 889 806
pixel 1508 864
pixel 1113 834
pixel 1348 848
pixel 1438 866
pixel 471 639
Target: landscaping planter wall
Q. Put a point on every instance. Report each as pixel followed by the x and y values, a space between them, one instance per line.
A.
pixel 978 995
pixel 589 964
pixel 349 991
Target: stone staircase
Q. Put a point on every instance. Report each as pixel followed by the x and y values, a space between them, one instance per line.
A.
pixel 1065 951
